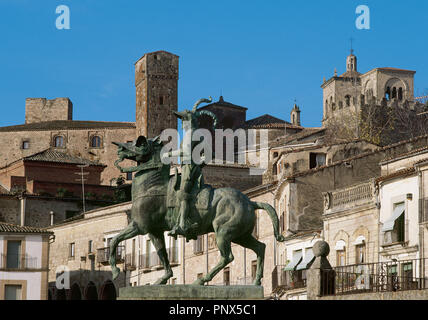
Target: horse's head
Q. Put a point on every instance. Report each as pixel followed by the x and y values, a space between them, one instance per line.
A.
pixel 139 150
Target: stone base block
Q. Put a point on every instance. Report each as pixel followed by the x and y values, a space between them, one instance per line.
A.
pixel 191 292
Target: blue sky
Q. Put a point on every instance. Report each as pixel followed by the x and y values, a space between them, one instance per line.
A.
pixel 258 54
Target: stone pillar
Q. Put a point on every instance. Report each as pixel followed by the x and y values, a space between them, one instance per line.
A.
pixel 320 276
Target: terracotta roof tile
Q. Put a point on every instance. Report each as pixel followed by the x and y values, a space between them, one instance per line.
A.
pixel 12 228
pixel 51 155
pixel 269 122
pixel 398 173
pixel 67 125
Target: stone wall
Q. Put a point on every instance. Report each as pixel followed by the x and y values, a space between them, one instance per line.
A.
pixel 398 295
pixel 41 109
pixel 97 226
pixel 156 82
pixel 77 143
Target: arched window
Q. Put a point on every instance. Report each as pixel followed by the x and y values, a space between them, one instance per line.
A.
pixel 394 93
pixel 388 93
pixel 400 93
pixel 96 142
pixel 340 253
pixel 58 142
pixel 348 100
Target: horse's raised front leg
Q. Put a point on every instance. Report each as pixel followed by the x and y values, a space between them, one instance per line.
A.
pixel 158 241
pixel 129 232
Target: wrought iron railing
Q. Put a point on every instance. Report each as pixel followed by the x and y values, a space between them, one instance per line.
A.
pixel 152 260
pixel 18 262
pixel 103 254
pixel 380 277
pixel 130 261
pixel 198 245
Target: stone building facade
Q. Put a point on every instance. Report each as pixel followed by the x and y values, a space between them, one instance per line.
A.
pixel 156 83
pixel 351 224
pixel 346 93
pixel 24 262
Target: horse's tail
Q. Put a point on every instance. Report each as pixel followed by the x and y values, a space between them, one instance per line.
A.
pixel 273 216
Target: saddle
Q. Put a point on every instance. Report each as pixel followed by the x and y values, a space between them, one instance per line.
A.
pixel 201 195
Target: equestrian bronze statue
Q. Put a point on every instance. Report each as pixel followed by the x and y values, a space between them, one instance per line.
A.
pixel 158 197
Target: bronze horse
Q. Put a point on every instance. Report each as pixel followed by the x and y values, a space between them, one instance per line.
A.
pixel 229 214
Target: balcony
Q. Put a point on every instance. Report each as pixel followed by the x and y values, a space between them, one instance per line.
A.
pixel 387 276
pixel 130 262
pixel 361 194
pixel 13 262
pixel 151 261
pixel 103 255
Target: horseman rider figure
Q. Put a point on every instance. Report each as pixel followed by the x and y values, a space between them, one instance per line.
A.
pixel 191 172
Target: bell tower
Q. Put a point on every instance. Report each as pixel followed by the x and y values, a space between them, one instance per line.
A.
pixel 156 84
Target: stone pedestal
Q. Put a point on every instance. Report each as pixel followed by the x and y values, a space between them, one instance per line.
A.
pixel 191 292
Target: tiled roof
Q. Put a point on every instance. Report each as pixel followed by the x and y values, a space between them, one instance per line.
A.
pixel 267 121
pixel 67 125
pixel 361 155
pixel 51 155
pixel 12 228
pixel 406 154
pixel 304 233
pixel 223 103
pixel 3 190
pixel 306 132
pixel 398 173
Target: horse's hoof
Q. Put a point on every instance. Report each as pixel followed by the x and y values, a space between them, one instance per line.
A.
pixel 115 272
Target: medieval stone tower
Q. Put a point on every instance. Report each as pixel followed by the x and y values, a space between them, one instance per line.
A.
pixel 156 82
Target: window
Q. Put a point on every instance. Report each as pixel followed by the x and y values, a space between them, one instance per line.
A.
pixel 58 142
pixel 348 100
pixel 12 292
pixel 198 245
pixel 388 93
pixel 25 144
pixel 316 160
pixel 96 142
pixel 13 257
pixel 148 249
pixel 256 227
pixel 133 253
pixel 226 276
pixel 129 176
pixel 341 257
pixel 161 100
pixel 407 276
pixel 360 253
pixel 394 93
pixel 282 222
pixel 253 269
pixel 394 227
pixel 90 246
pixel 71 250
pixel 400 93
pixel 392 277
